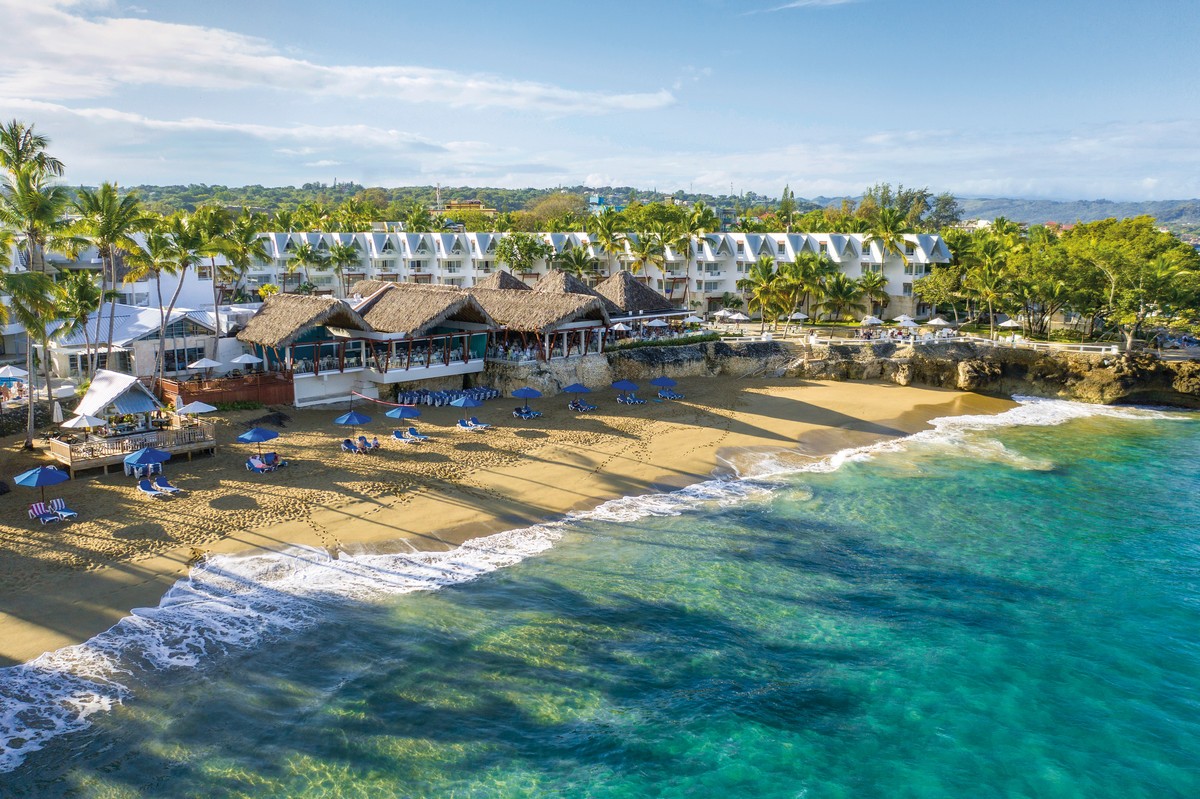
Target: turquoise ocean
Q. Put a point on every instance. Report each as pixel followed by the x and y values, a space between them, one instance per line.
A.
pixel 1003 606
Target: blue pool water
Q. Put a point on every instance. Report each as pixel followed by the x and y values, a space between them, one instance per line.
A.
pixel 1001 607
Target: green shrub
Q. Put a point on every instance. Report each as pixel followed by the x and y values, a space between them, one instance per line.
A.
pixel 699 338
pixel 245 405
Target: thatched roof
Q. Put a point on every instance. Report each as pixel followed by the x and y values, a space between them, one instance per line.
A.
pixel 415 309
pixel 535 311
pixel 285 317
pixel 502 280
pixel 632 296
pixel 557 281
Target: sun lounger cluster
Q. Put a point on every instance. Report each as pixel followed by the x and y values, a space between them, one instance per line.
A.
pixel 409 436
pixel 580 406
pixel 522 412
pixel 54 511
pixel 473 424
pixel 668 394
pixel 161 488
pixel 630 399
pixel 267 462
pixel 438 399
pixel 362 447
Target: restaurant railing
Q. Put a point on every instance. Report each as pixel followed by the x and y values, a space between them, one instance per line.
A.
pixel 96 448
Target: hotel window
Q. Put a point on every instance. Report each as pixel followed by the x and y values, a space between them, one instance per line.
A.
pixel 204 272
pixel 712 285
pixel 824 248
pixel 453 267
pixel 909 248
pixel 741 248
pixel 417 266
pixel 868 268
pixel 908 289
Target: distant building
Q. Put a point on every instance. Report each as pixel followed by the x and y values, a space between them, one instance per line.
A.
pixel 476 206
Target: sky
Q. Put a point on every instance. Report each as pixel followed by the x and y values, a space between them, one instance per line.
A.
pixel 1055 99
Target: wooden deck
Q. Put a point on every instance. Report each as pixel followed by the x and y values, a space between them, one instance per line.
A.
pixel 104 452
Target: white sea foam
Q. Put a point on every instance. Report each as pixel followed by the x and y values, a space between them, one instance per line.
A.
pixel 230 603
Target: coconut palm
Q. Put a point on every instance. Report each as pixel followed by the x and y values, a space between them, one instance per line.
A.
pixel 305 256
pixel 171 249
pixel 340 257
pixel 647 251
pixel 21 147
pixel 841 294
pixel 417 219
pixel 575 261
pixel 285 222
pixel 33 209
pixel 608 231
pixel 874 286
pixel 986 277
pixel 81 297
pixel 703 220
pixel 762 287
pixel 109 220
pixel 33 302
pixel 245 246
pixel 888 234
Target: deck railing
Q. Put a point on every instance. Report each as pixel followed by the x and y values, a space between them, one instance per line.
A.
pixel 104 451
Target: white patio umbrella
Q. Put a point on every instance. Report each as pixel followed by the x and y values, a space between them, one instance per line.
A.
pixel 798 317
pixel 903 318
pixel 907 323
pixel 692 320
pixel 205 363
pixel 57 415
pixel 872 320
pixel 621 326
pixel 1010 323
pixel 739 317
pixel 83 421
pixel 195 407
pixel 13 372
pixel 247 358
pixel 656 323
pixel 723 313
pixel 938 322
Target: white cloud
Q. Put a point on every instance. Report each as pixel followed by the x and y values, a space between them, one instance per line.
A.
pixel 125 51
pixel 800 4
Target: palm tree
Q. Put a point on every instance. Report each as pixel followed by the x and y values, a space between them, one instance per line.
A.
pixel 81 297
pixel 285 222
pixel 888 234
pixel 304 256
pixel 170 254
pixel 244 246
pixel 33 209
pixel 987 276
pixel 21 147
pixel 646 250
pixel 762 287
pixel 33 302
pixel 214 225
pixel 575 261
pixel 608 231
pixel 417 219
pixel 841 294
pixel 874 286
pixel 109 221
pixel 340 257
pixel 703 220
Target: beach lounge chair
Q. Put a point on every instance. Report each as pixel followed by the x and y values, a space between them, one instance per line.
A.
pixel 400 435
pixel 59 506
pixel 253 464
pixel 38 511
pixel 149 490
pixel 466 425
pixel 271 459
pixel 668 394
pixel 415 436
pixel 161 484
pixel 348 446
pixel 478 424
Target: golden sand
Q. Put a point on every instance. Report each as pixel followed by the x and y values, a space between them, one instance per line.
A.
pixel 63 583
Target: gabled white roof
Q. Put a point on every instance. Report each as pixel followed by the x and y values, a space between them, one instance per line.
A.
pixel 108 388
pixel 130 323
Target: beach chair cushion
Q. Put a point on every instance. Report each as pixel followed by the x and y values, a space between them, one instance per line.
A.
pixel 38 511
pixel 348 446
pixel 415 436
pixel 145 487
pixel 465 425
pixel 478 425
pixel 272 459
pixel 161 484
pixel 59 506
pixel 255 465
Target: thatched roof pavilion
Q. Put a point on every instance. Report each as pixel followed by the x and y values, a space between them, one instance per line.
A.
pixel 285 317
pixel 632 296
pixel 365 288
pixel 415 309
pixel 502 280
pixel 540 312
pixel 557 281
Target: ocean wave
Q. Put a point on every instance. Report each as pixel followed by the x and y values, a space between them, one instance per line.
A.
pixel 233 603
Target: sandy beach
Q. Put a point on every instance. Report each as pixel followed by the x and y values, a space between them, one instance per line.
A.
pixel 63 583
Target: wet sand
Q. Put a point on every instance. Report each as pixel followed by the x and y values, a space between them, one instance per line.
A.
pixel 63 583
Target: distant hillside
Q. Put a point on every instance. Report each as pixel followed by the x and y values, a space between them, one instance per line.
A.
pixel 1175 214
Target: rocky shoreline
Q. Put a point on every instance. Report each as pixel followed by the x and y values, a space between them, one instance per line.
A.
pixel 1139 378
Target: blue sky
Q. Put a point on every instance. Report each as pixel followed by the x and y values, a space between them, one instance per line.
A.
pixel 1069 99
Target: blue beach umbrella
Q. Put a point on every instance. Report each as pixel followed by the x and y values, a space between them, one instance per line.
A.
pixel 257 435
pixel 403 412
pixel 663 382
pixel 527 394
pixel 147 456
pixel 466 401
pixel 577 388
pixel 41 477
pixel 353 418
pixel 625 385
